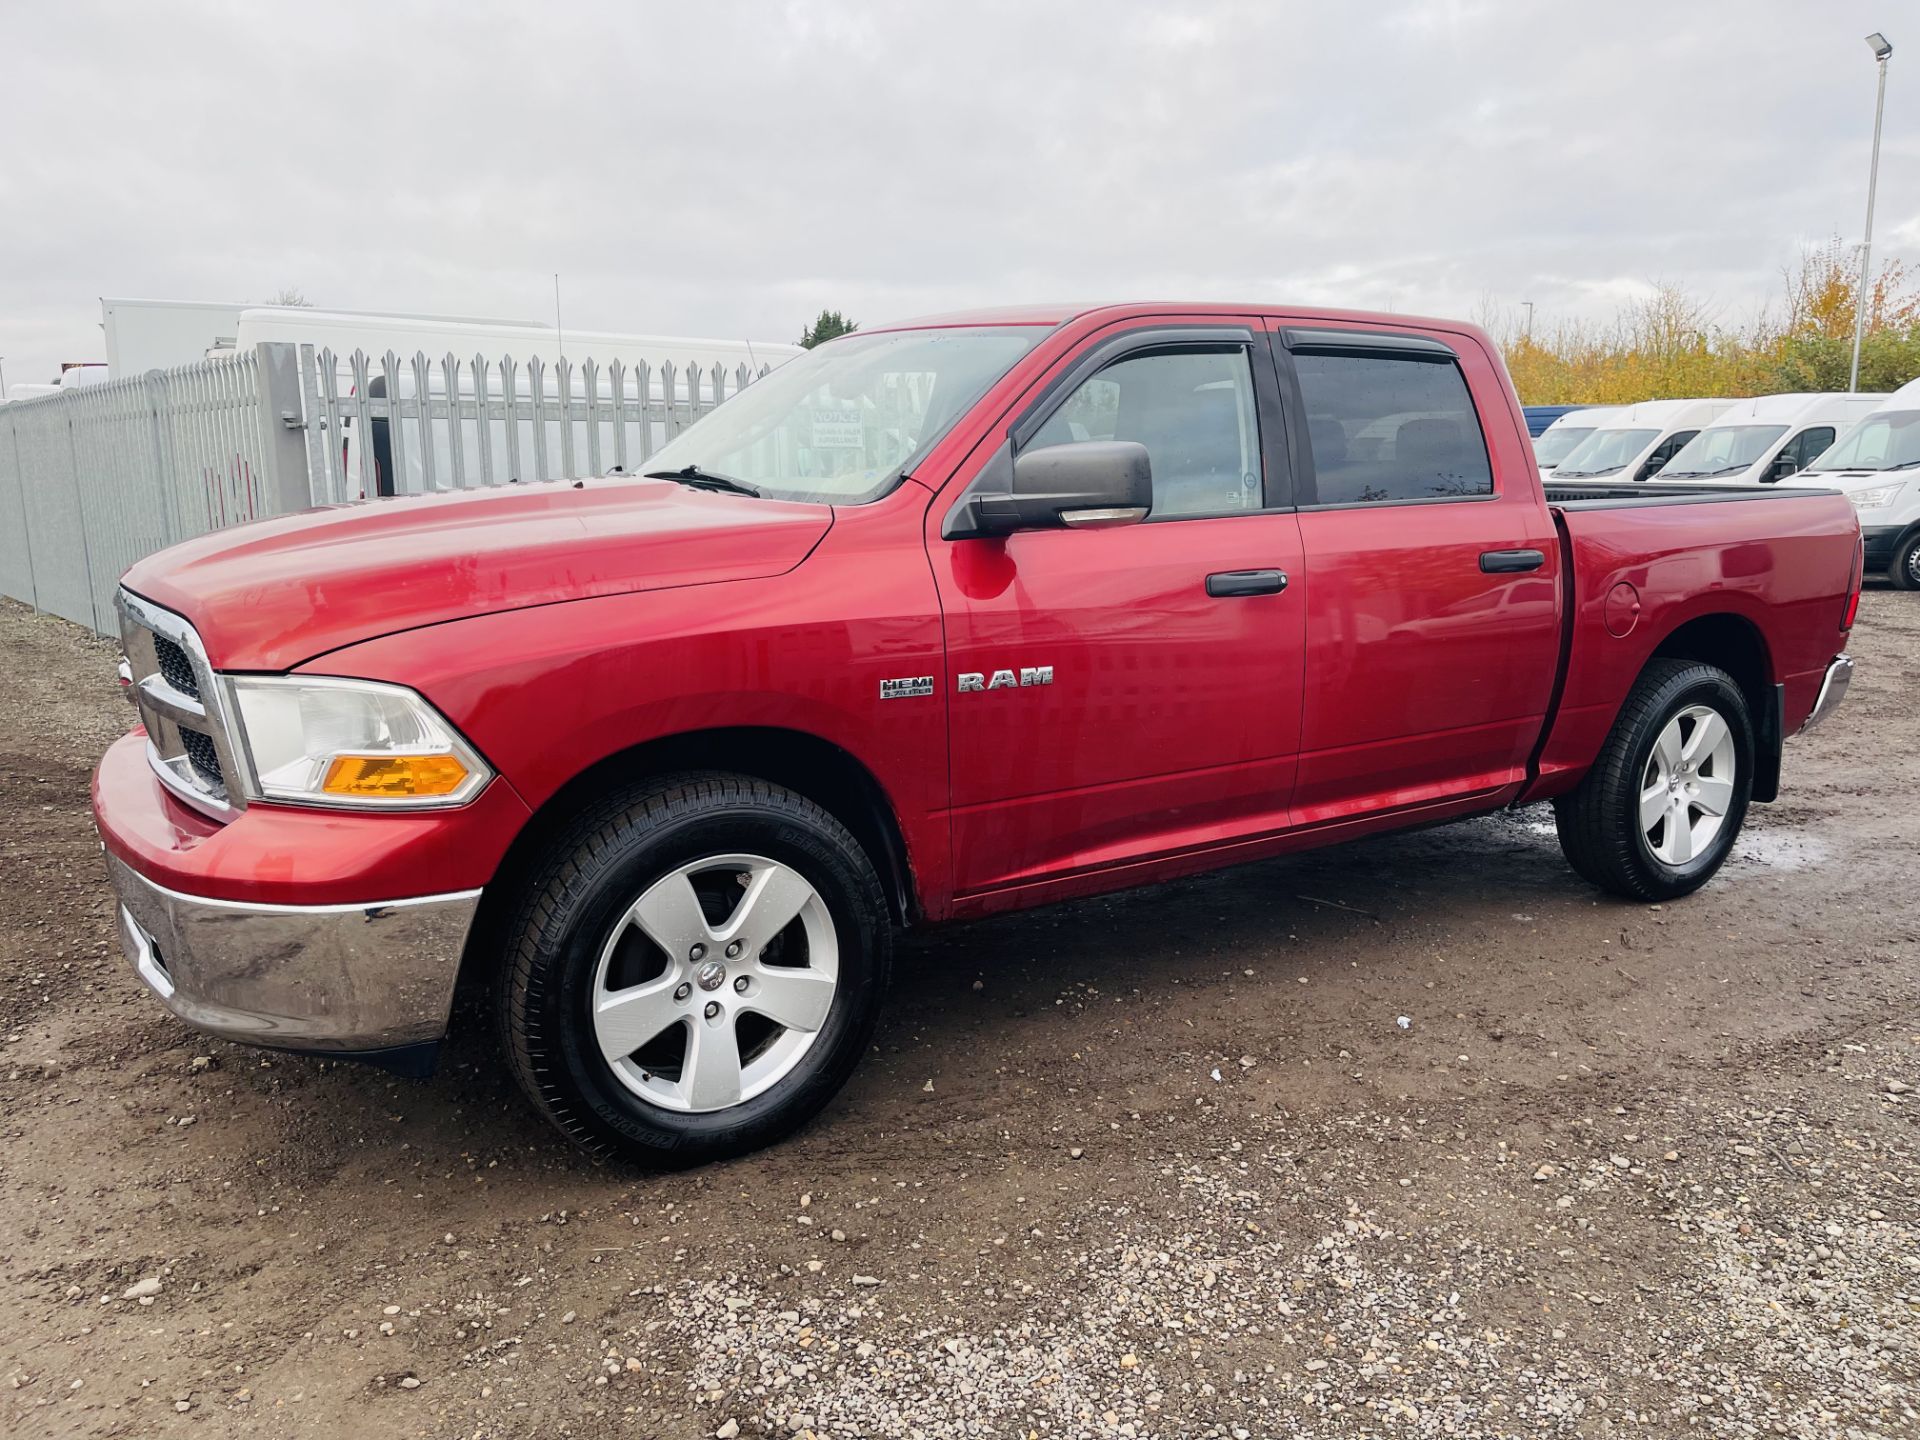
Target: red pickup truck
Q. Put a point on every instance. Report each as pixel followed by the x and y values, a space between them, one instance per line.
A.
pixel 941 620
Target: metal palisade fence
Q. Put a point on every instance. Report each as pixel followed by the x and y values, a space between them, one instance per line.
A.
pixel 93 479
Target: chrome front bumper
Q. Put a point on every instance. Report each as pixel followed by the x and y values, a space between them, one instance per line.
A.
pixel 350 979
pixel 1833 690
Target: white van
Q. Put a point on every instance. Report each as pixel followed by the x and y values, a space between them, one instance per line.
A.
pixel 1877 466
pixel 1636 440
pixel 1764 440
pixel 1557 441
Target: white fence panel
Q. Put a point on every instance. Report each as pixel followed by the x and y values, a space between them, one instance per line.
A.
pixel 397 425
pixel 44 440
pixel 94 479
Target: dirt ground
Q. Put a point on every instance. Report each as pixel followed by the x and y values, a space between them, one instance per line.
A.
pixel 1166 1164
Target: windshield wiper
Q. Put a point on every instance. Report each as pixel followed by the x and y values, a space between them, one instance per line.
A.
pixel 1903 465
pixel 1700 474
pixel 696 478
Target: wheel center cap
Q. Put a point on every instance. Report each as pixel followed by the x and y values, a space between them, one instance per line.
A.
pixel 711 976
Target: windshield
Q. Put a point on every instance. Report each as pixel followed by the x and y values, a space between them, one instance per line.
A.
pixel 841 424
pixel 1556 442
pixel 1604 452
pixel 1723 451
pixel 1888 441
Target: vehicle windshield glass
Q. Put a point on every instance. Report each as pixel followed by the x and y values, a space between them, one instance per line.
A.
pixel 1719 451
pixel 1880 442
pixel 1604 452
pixel 842 424
pixel 1556 442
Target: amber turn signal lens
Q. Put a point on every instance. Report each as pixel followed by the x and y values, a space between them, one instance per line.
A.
pixel 395 775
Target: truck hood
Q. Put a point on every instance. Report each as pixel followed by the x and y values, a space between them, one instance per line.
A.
pixel 268 595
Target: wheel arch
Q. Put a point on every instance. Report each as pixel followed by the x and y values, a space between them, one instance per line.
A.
pixel 1735 644
pixel 823 772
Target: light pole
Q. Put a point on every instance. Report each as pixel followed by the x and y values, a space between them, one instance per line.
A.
pixel 1882 48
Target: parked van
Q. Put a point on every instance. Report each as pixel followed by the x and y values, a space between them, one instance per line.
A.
pixel 1636 440
pixel 1764 440
pixel 1557 441
pixel 1877 465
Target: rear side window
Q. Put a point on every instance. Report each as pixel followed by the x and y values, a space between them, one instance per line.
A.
pixel 1385 428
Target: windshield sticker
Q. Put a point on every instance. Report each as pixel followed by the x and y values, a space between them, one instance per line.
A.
pixel 839 429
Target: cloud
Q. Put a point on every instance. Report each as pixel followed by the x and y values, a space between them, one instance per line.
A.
pixel 732 168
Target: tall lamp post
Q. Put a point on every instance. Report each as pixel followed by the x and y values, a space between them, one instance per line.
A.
pixel 1882 48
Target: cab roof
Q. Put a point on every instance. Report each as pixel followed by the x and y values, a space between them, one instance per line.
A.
pixel 1052 315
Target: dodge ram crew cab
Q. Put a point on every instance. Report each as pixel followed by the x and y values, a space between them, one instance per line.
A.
pixel 937 621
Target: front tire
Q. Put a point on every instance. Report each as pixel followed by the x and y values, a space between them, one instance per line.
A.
pixel 695 972
pixel 1905 569
pixel 1659 811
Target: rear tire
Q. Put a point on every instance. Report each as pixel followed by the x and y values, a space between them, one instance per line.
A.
pixel 1659 811
pixel 695 972
pixel 1905 569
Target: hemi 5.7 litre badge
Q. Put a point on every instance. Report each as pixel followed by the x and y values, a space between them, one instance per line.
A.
pixel 902 689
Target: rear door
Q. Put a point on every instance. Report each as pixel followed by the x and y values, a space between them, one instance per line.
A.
pixel 1433 616
pixel 1118 695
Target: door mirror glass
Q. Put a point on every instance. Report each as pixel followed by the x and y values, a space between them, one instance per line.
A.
pixel 1084 485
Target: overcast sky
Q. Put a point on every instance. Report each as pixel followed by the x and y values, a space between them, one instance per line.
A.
pixel 728 169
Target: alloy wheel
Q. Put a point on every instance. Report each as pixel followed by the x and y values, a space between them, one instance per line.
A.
pixel 1688 785
pixel 715 983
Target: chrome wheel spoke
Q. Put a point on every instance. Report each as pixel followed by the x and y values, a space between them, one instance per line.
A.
pixel 1712 794
pixel 1653 805
pixel 1708 731
pixel 798 999
pixel 1667 748
pixel 710 1075
pixel 1678 845
pixel 670 916
pixel 624 1020
pixel 774 898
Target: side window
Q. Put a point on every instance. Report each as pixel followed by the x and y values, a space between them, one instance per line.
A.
pixel 1192 409
pixel 1808 446
pixel 1665 451
pixel 1385 428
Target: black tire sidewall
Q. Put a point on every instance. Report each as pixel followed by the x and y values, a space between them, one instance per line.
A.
pixel 562 988
pixel 1905 558
pixel 1700 687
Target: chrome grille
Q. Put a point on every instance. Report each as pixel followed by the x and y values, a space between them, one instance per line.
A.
pixel 203 757
pixel 179 700
pixel 176 667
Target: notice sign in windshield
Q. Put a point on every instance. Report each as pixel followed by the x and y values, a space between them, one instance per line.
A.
pixel 842 428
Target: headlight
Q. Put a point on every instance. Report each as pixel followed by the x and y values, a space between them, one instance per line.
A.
pixel 1873 499
pixel 349 742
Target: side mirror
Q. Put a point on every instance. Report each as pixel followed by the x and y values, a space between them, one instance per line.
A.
pixel 1086 485
pixel 1781 468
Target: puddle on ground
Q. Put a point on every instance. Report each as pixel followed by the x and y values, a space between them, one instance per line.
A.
pixel 1781 849
pixel 1773 849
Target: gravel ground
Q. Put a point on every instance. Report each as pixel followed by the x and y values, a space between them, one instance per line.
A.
pixel 1165 1164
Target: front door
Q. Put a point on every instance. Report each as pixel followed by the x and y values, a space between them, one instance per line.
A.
pixel 1118 695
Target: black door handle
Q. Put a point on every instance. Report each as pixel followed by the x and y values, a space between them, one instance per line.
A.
pixel 1511 562
pixel 1246 582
